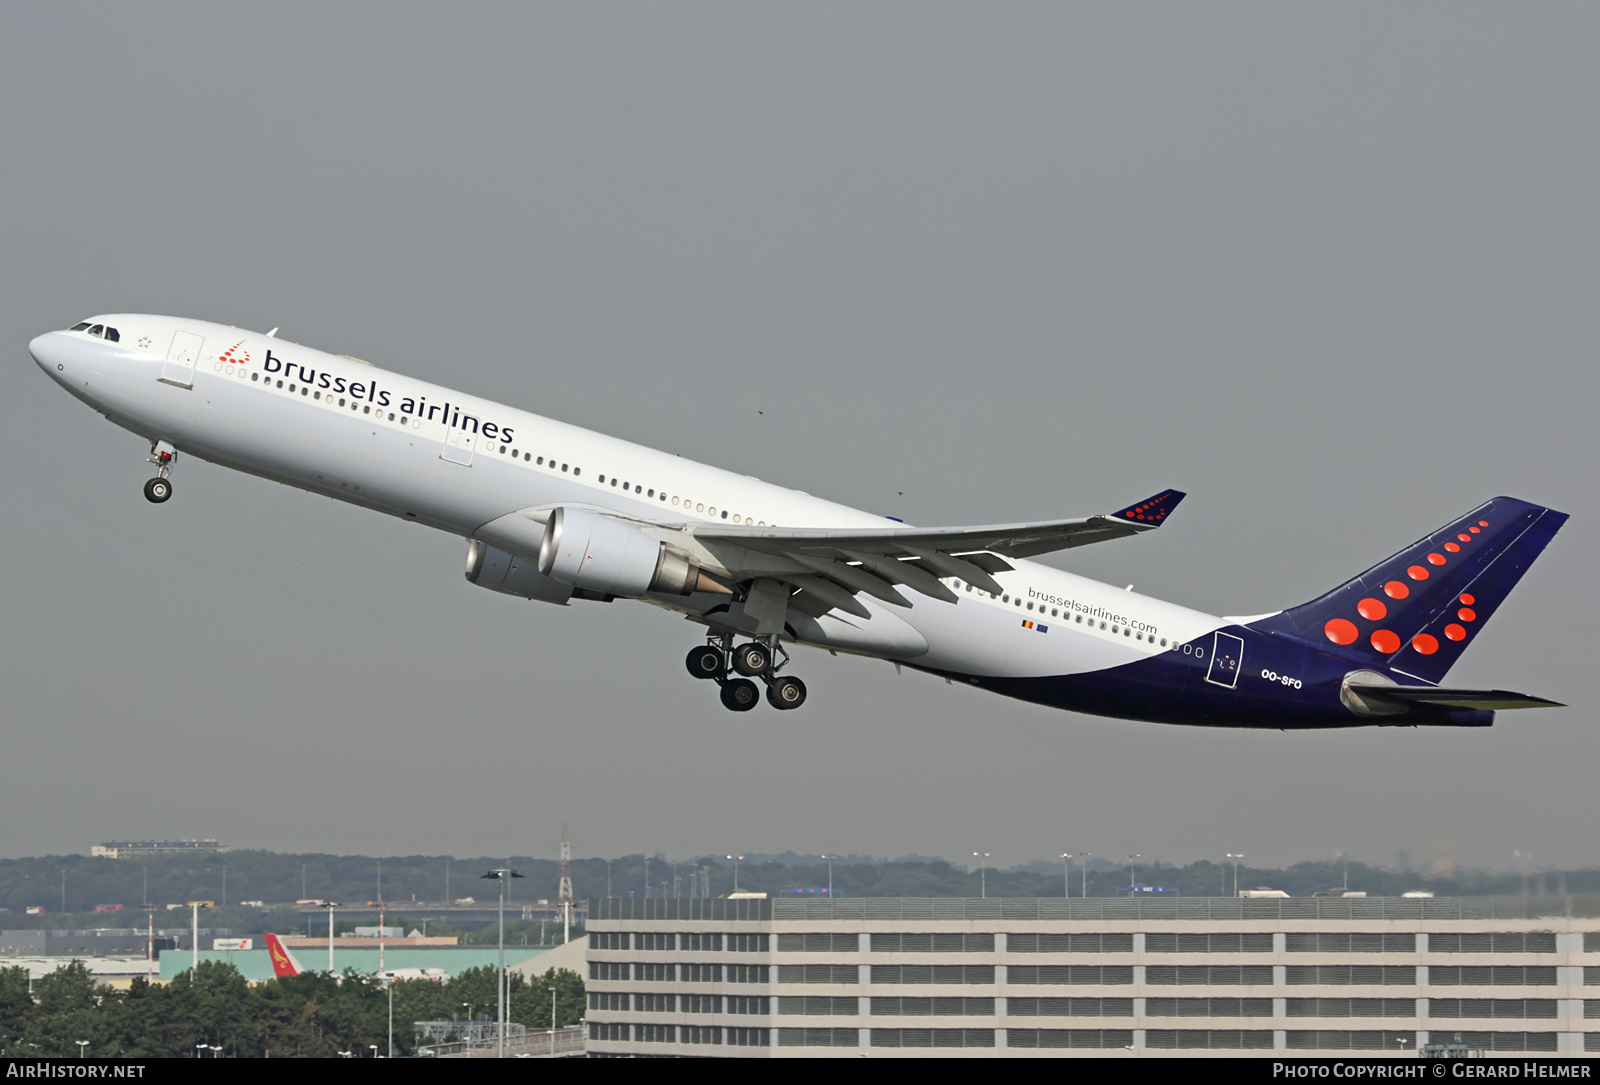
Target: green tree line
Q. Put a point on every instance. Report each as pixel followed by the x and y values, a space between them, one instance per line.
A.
pixel 354 879
pixel 314 1015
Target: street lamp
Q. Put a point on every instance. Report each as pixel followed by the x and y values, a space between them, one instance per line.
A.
pixel 830 859
pixel 502 875
pixel 736 860
pixel 81 1045
pixel 1066 874
pixel 1236 859
pixel 1083 867
pixel 1132 859
pixel 983 880
pixel 552 991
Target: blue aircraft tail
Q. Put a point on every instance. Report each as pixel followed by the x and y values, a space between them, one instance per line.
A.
pixel 1418 610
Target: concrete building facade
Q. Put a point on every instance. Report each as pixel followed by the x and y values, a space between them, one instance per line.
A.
pixel 1040 977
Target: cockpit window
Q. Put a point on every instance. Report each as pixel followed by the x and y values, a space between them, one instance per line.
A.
pixel 112 336
pixel 79 327
pixel 98 331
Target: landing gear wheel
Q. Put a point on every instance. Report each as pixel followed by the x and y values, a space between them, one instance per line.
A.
pixel 157 490
pixel 785 693
pixel 752 660
pixel 704 662
pixel 739 695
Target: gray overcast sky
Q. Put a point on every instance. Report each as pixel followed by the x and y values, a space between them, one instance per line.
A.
pixel 1331 269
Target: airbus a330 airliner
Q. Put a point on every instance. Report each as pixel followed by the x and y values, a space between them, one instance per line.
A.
pixel 553 513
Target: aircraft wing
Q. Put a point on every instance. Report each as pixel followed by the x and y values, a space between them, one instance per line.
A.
pixel 1491 700
pixel 833 564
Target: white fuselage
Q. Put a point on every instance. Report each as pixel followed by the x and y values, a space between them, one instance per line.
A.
pixel 338 426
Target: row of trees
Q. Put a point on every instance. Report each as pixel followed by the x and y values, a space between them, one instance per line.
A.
pixel 315 1015
pixel 274 877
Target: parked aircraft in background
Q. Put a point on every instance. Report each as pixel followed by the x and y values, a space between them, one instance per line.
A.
pixel 284 963
pixel 555 513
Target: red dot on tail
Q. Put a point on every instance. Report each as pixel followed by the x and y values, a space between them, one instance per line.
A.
pixel 1436 559
pixel 1396 589
pixel 1467 614
pixel 1417 572
pixel 1372 609
pixel 1454 548
pixel 1464 538
pixel 1425 644
pixel 1455 632
pixel 1386 642
pixel 1474 530
pixel 1483 523
pixel 1341 631
pixel 1468 600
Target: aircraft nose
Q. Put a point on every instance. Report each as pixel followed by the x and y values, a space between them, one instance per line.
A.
pixel 46 350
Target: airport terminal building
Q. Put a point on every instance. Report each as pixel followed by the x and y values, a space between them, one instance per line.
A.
pixel 1043 977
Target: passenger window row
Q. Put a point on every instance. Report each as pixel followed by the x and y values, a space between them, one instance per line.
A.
pixel 1056 612
pixel 540 461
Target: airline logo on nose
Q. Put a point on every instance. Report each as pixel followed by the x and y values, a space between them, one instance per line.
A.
pixel 234 354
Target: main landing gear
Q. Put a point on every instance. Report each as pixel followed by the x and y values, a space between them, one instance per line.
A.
pixel 159 488
pixel 756 659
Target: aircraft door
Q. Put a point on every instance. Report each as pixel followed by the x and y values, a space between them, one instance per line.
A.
pixel 458 446
pixel 1227 656
pixel 181 356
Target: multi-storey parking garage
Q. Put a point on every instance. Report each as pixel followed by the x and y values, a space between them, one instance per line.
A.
pixel 1047 977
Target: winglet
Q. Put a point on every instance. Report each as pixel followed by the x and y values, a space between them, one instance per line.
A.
pixel 1152 510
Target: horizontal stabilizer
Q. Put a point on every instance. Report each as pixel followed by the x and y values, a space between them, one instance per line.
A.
pixel 1486 700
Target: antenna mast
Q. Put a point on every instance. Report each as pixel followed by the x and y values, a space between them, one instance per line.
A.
pixel 564 896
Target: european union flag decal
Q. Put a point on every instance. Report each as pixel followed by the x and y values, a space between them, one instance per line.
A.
pixel 1036 628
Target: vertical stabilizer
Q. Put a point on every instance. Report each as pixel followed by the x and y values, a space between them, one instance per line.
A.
pixel 1417 611
pixel 283 962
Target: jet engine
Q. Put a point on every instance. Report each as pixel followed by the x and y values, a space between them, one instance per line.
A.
pixel 511 575
pixel 597 553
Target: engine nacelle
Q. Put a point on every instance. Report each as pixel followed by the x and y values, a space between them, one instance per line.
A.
pixel 594 552
pixel 511 575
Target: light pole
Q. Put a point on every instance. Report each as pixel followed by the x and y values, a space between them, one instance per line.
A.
pixel 1132 859
pixel 1236 858
pixel 501 875
pixel 736 859
pixel 830 859
pixel 983 874
pixel 330 905
pixel 1066 874
pixel 81 1045
pixel 552 991
pixel 1083 867
pixel 150 943
pixel 608 877
pixel 194 934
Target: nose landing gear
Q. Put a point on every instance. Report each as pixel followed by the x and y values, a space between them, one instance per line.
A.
pixel 756 659
pixel 159 488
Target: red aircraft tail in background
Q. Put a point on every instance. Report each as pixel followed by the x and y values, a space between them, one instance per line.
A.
pixel 283 962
